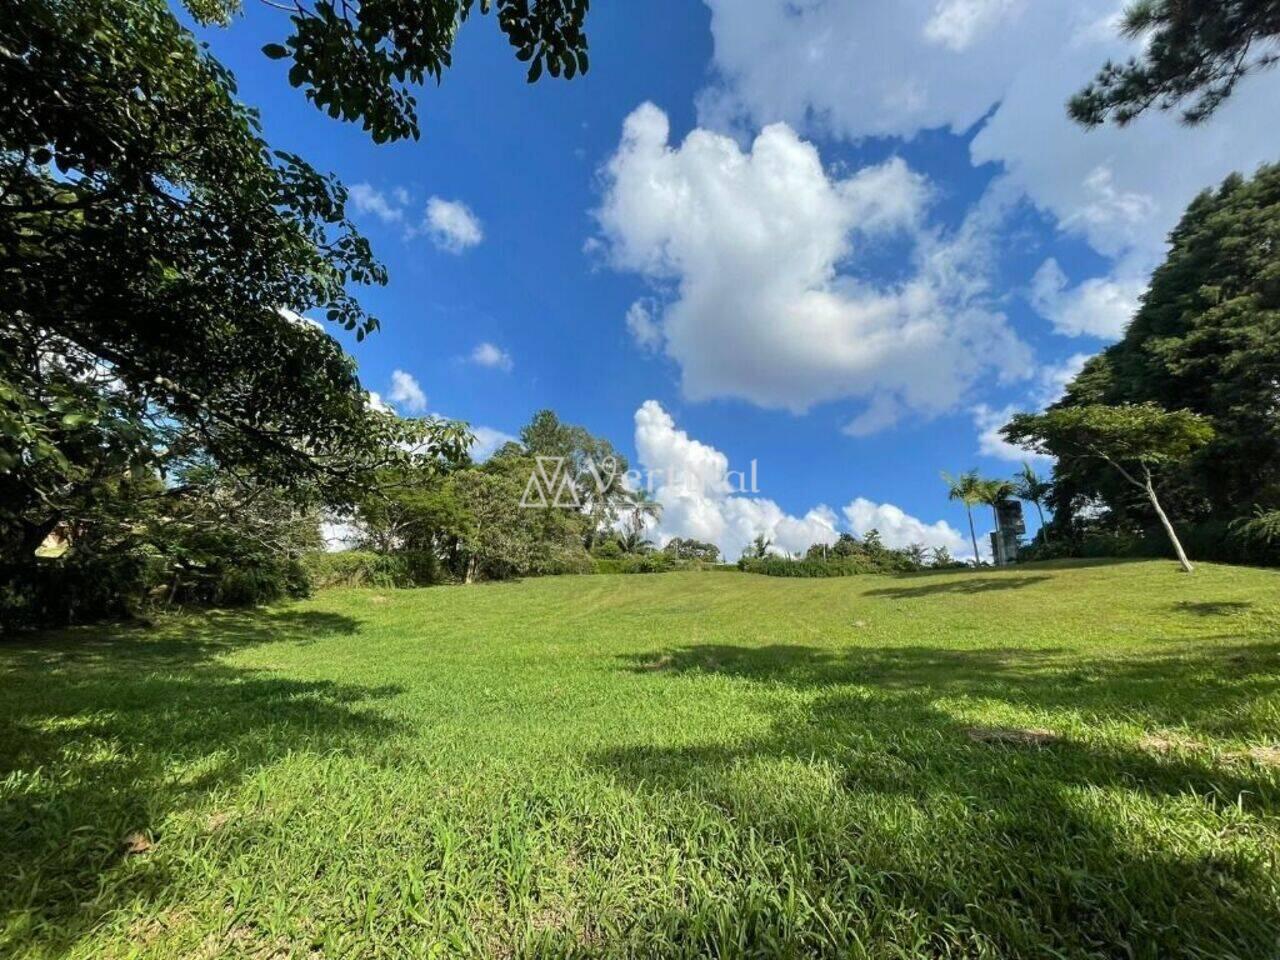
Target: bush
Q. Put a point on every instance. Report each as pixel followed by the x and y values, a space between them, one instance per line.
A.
pixel 1213 541
pixel 364 568
pixel 260 583
pixel 834 567
pixel 880 561
pixel 637 563
pixel 556 562
pixel 75 589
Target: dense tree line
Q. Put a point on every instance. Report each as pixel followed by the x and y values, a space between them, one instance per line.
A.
pixel 168 414
pixel 554 501
pixel 1203 346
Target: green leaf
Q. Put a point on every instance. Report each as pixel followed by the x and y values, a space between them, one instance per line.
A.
pixel 275 51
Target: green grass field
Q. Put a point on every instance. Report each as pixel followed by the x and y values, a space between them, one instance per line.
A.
pixel 1055 761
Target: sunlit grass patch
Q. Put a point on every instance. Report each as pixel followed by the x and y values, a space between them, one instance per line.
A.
pixel 1059 760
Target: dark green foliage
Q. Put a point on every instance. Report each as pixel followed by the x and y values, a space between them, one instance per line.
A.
pixel 1262 527
pixel 1138 441
pixel 876 559
pixel 155 257
pixel 1206 339
pixel 486 521
pixel 691 549
pixel 141 543
pixel 1194 49
pixel 365 568
pixel 151 245
pixel 147 228
pixel 656 562
pixel 1210 540
pixel 74 589
pixel 356 61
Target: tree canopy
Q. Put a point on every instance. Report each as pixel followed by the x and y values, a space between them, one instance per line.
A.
pixel 1135 440
pixel 1194 50
pixel 1205 339
pixel 157 262
pixel 147 228
pixel 358 59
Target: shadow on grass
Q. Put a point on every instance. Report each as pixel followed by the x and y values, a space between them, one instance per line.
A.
pixel 105 733
pixel 994 841
pixel 961 585
pixel 1213 608
pixel 1205 690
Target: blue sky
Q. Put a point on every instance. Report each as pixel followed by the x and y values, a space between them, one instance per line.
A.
pixel 853 300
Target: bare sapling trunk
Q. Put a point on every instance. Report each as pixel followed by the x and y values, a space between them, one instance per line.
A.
pixel 972 536
pixel 1168 527
pixel 1044 531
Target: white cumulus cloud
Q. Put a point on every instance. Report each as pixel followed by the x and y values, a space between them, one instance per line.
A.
pixel 451 225
pixel 988 422
pixel 494 357
pixel 1050 384
pixel 1098 307
pixel 704 498
pixel 899 529
pixel 957 23
pixel 406 392
pixel 756 245
pixel 487 441
pixel 369 199
pixel 644 330
pixel 857 70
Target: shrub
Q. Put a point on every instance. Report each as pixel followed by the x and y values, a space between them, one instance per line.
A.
pixel 555 562
pixel 260 583
pixel 76 589
pixel 783 567
pixel 638 563
pixel 1209 540
pixel 364 568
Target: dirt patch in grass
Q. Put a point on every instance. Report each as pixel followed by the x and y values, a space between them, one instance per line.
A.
pixel 1169 743
pixel 1016 736
pixel 1267 756
pixel 136 844
pixel 216 821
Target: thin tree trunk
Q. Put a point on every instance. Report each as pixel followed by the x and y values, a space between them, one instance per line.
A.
pixel 1043 529
pixel 1168 527
pixel 972 535
pixel 470 576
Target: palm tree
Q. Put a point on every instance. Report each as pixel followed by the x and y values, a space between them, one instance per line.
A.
pixel 642 509
pixel 1028 485
pixel 969 489
pixel 633 541
pixel 993 492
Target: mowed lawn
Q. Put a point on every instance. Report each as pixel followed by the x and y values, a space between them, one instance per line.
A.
pixel 1054 761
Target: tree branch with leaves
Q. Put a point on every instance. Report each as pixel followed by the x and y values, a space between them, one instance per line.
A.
pixel 1136 440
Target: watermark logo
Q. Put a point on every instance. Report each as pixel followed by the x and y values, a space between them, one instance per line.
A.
pixel 551 484
pixel 555 484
